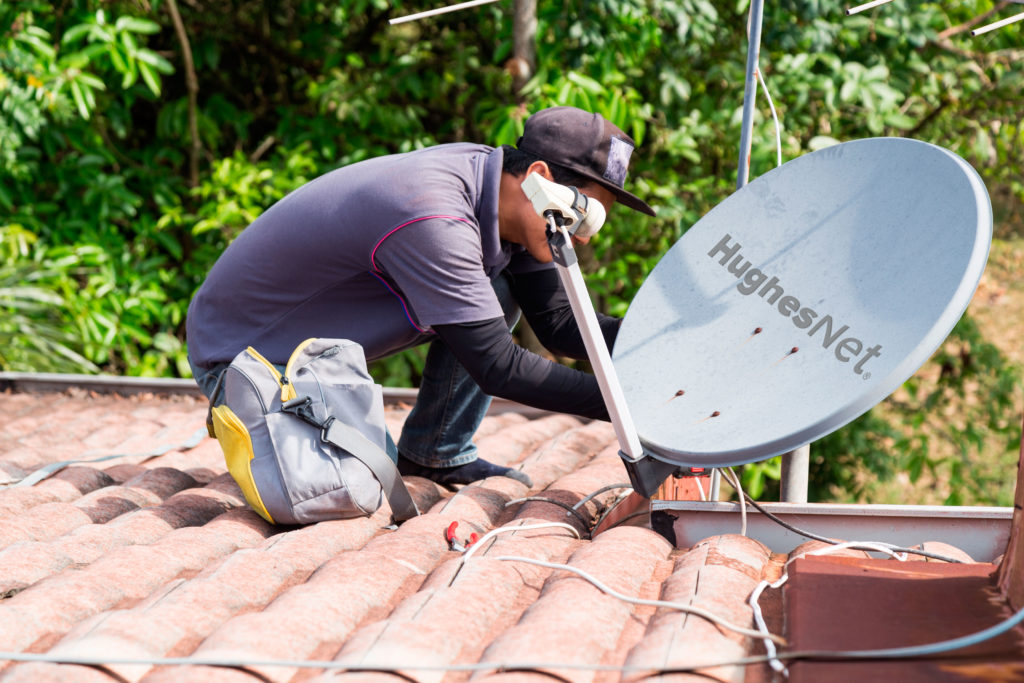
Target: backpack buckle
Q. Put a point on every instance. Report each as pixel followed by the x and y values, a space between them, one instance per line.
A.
pixel 302 408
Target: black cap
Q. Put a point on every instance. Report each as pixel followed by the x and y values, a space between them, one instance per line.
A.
pixel 586 144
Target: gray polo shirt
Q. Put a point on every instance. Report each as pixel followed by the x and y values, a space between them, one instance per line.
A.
pixel 376 252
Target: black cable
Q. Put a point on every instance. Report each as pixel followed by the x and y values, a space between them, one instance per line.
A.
pixel 595 494
pixel 630 516
pixel 832 541
pixel 565 506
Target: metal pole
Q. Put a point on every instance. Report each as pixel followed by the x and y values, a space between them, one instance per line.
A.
pixel 750 90
pixel 796 467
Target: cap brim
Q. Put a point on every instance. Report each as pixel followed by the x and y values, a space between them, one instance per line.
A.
pixel 627 198
pixel 634 202
pixel 622 196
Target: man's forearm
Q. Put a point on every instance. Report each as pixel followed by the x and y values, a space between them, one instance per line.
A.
pixel 502 368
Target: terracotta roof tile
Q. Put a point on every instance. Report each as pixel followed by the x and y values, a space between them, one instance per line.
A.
pixel 944 549
pixel 151 555
pixel 624 559
pixel 710 575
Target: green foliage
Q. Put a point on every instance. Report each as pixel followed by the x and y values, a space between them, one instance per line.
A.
pixel 404 369
pixel 33 330
pixel 109 233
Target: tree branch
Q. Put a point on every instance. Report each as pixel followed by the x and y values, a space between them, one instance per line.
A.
pixel 968 25
pixel 524 39
pixel 943 103
pixel 192 85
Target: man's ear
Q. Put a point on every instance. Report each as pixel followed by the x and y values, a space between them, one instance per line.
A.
pixel 542 168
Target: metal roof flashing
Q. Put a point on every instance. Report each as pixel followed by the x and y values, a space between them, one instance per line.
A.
pixel 981 532
pixel 986 534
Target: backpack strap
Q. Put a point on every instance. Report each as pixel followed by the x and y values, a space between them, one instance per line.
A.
pixel 214 395
pixel 353 441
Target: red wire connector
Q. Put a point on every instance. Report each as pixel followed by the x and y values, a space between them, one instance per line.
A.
pixel 454 543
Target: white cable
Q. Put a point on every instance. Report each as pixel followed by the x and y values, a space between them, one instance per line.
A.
pixel 505 529
pixel 523 527
pixel 689 609
pixel 734 481
pixel 775 116
pixel 867 5
pixel 874 546
pixel 999 24
pixel 439 10
pixel 762 627
pixel 700 489
pixel 396 667
pixel 766 635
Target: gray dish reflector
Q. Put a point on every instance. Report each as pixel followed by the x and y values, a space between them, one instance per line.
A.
pixel 802 300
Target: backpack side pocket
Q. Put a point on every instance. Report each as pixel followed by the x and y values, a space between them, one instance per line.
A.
pixel 238 454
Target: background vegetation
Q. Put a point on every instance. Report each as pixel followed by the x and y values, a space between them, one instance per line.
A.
pixel 137 138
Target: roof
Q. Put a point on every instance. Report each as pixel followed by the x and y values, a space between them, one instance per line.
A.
pixel 146 557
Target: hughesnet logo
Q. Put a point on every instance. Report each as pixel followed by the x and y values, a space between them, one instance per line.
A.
pixel 754 280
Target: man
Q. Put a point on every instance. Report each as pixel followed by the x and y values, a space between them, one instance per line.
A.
pixel 439 245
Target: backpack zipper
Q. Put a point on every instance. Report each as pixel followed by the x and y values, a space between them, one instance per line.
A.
pixel 287 390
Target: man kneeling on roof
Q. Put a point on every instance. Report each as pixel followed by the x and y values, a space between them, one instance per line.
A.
pixel 439 245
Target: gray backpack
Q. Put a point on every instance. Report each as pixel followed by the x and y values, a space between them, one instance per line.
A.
pixel 308 444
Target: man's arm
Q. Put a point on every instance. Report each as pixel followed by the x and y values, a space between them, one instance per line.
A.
pixel 504 369
pixel 546 306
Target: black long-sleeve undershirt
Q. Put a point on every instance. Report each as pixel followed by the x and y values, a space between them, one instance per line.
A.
pixel 504 369
pixel 546 307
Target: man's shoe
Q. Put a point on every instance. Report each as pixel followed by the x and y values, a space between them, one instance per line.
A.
pixel 461 474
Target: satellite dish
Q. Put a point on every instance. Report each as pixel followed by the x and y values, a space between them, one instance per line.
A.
pixel 802 300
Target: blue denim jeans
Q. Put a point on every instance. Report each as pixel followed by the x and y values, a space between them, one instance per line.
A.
pixel 207 378
pixel 449 407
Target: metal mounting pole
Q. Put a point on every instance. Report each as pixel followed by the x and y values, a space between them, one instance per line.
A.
pixel 750 89
pixel 796 467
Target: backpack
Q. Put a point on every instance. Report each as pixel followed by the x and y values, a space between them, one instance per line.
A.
pixel 308 444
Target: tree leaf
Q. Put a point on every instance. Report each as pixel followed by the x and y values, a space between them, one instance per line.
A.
pixel 76 92
pixel 151 79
